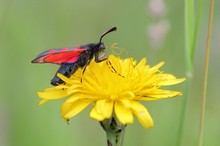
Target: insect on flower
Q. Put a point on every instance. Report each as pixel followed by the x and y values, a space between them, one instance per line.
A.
pixel 70 59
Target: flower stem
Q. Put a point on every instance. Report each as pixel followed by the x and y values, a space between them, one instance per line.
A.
pixel 114 131
pixel 189 30
pixel 191 34
pixel 205 78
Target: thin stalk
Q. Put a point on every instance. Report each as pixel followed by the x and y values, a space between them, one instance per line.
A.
pixel 205 77
pixel 183 112
pixel 196 30
pixel 191 34
pixel 189 30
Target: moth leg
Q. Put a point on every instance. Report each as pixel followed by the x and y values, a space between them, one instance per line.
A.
pixel 84 69
pixel 99 58
pixel 113 69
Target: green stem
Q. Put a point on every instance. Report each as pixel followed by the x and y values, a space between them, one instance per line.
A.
pixel 191 34
pixel 183 112
pixel 196 30
pixel 189 30
pixel 205 78
pixel 114 131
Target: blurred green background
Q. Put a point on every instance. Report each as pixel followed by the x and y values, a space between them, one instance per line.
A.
pixel 146 28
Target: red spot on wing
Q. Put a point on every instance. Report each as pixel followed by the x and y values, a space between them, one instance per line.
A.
pixel 64 55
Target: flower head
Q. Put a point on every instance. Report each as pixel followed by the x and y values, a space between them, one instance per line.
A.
pixel 113 87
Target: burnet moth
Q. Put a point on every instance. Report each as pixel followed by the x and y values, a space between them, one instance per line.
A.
pixel 70 59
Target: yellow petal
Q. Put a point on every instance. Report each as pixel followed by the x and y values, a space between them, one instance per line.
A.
pixel 123 114
pixel 65 108
pixel 146 98
pixel 169 80
pixel 127 95
pixel 159 93
pixel 73 92
pixel 56 94
pixel 90 83
pixel 142 114
pixel 76 107
pixel 75 86
pixel 73 98
pixel 156 67
pixel 64 78
pixel 43 101
pixel 108 108
pixel 142 63
pixel 105 107
pixel 55 88
pixel 125 102
pixel 114 62
pixel 96 115
pixel 100 104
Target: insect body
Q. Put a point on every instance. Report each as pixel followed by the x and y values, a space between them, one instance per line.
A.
pixel 70 59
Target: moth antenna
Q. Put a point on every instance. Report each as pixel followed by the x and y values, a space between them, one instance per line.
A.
pixel 110 30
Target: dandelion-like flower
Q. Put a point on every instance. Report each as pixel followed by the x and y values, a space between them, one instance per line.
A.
pixel 114 87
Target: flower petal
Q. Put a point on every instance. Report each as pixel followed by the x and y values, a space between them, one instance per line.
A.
pixel 108 108
pixel 50 95
pixel 171 82
pixel 159 93
pixel 64 78
pixel 71 110
pixel 105 107
pixel 43 101
pixel 127 95
pixel 65 108
pixel 157 66
pixel 141 63
pixel 96 115
pixel 123 114
pixel 142 114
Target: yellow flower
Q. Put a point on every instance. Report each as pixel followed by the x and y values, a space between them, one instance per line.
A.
pixel 113 87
